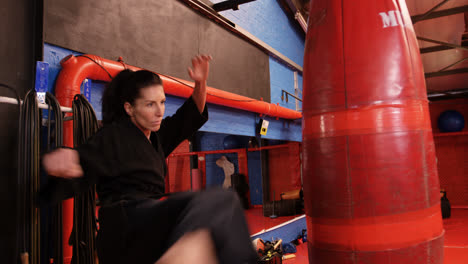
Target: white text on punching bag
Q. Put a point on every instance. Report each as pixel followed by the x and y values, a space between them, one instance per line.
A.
pixel 391 19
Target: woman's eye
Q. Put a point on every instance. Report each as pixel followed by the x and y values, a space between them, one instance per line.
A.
pixel 149 105
pixel 163 102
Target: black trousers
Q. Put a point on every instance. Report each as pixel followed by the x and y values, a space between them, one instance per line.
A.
pixel 141 231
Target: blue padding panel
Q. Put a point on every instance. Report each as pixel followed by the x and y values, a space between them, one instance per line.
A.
pixel 92 89
pixel 214 141
pixel 95 94
pixel 86 88
pixel 287 233
pixel 255 177
pixel 237 122
pixel 53 55
pixel 284 130
pixel 230 121
pixel 215 175
pixel 42 73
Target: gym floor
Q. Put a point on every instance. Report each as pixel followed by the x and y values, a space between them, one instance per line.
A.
pixel 456 237
pixel 455 246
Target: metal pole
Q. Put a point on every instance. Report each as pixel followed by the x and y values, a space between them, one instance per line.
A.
pixel 296 89
pixel 9 100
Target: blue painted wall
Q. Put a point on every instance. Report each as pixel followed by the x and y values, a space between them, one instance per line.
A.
pixel 282 78
pixel 266 20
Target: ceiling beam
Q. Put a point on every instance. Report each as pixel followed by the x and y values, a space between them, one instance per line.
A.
pixel 453 64
pixel 444 73
pixel 447 95
pixel 434 49
pixel 295 13
pixel 229 4
pixel 442 13
pixel 443 43
pixel 430 11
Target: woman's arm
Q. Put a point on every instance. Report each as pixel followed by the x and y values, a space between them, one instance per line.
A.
pixel 93 158
pixel 191 115
pixel 199 73
pixel 64 163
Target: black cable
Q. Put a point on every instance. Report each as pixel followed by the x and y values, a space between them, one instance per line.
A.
pixel 56 222
pixel 15 92
pixel 28 180
pixel 28 216
pixel 84 213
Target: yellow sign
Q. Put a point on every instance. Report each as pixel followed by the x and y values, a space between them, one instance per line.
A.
pixel 264 128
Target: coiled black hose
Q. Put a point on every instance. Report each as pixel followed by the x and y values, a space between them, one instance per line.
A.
pixel 84 215
pixel 28 180
pixel 55 142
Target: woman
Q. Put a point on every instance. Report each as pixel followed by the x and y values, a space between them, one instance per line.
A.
pixel 126 160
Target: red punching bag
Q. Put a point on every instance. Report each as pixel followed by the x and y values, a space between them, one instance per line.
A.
pixel 370 177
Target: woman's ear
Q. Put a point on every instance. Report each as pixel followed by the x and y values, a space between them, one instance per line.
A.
pixel 128 108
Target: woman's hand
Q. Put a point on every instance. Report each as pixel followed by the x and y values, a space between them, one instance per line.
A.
pixel 201 67
pixel 199 73
pixel 64 163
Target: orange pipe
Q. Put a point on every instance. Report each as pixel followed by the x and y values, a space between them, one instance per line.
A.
pixel 76 69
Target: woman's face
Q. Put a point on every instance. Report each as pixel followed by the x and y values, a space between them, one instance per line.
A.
pixel 148 109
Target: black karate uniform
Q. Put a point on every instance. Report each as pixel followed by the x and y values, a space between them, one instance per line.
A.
pixel 134 225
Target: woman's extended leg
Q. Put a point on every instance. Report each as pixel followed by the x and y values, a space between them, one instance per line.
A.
pixel 196 247
pixel 220 212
